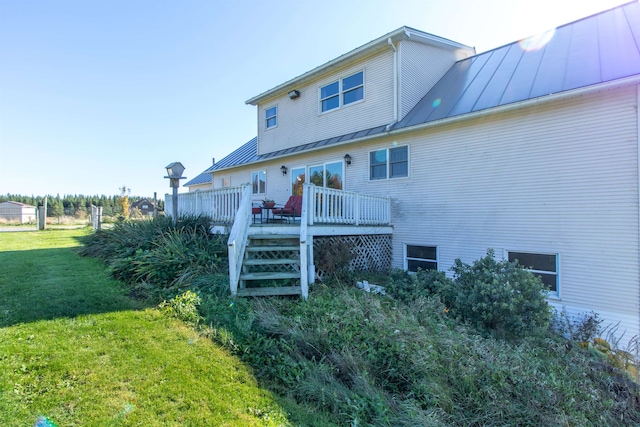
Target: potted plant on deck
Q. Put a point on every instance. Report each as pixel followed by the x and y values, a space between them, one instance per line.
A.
pixel 268 203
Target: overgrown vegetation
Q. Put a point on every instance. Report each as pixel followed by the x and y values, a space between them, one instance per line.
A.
pixel 475 349
pixel 157 257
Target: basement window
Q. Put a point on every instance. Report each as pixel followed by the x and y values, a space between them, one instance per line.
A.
pixel 424 257
pixel 543 265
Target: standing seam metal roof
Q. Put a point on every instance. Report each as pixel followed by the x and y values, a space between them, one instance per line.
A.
pixel 593 50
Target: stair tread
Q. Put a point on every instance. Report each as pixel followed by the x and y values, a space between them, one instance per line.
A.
pixel 271 261
pixel 282 290
pixel 274 236
pixel 270 275
pixel 260 248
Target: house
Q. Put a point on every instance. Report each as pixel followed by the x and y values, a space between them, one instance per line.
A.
pixel 201 182
pixel 145 206
pixel 17 212
pixel 530 149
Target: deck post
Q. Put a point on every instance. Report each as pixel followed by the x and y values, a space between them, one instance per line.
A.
pixel 304 220
pixel 356 208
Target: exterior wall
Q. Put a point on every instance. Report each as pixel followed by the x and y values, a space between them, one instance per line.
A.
pixel 421 66
pixel 300 120
pixel 200 187
pixel 555 178
pixel 14 212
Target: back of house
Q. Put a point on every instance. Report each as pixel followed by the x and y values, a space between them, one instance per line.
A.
pixel 530 149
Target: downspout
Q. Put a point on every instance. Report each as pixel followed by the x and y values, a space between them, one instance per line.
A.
pixel 395 85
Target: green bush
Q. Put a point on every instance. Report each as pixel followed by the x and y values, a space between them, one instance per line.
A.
pixel 183 307
pixel 498 295
pixel 157 257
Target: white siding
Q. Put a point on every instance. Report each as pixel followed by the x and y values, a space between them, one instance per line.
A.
pixel 421 66
pixel 557 178
pixel 300 122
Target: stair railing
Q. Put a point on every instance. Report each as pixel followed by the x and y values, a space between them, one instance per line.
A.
pixel 237 242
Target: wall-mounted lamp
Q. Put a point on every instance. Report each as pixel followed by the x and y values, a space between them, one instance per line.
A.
pixel 283 169
pixel 347 159
pixel 294 94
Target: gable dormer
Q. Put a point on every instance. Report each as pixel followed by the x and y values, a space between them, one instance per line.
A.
pixel 373 85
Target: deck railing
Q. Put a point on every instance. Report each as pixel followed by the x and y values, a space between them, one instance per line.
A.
pixel 238 239
pixel 331 206
pixel 221 204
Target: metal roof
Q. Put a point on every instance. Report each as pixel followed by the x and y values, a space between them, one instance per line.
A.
pixel 247 153
pixel 593 50
pixel 203 178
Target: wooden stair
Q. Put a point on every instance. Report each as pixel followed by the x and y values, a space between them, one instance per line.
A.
pixel 270 257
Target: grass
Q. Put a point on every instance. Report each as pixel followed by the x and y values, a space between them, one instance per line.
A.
pixel 76 349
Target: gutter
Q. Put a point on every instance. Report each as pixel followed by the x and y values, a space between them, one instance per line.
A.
pixel 627 81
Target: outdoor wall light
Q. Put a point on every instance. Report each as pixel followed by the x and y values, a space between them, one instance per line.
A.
pixel 294 94
pixel 347 159
pixel 283 169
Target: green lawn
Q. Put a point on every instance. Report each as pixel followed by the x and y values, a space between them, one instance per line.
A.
pixel 76 349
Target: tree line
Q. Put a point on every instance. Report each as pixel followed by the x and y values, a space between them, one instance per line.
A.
pixel 77 205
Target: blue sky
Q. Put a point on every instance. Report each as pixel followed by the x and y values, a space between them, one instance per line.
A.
pixel 97 94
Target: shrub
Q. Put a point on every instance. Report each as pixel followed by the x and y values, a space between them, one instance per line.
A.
pixel 583 327
pixel 498 295
pixel 405 286
pixel 183 307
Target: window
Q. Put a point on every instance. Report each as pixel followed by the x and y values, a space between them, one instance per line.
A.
pixel 424 257
pixel 389 163
pixel 343 92
pixel 297 180
pixel 545 266
pixel 225 182
pixel 327 175
pixel 271 117
pixel 259 182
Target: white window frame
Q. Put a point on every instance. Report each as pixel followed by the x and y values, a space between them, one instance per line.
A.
pixel 267 117
pixel 324 171
pixel 388 164
pixel 406 258
pixel 550 294
pixel 341 92
pixel 265 181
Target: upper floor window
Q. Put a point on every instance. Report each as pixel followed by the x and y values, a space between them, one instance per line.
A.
pixel 545 266
pixel 343 92
pixel 389 163
pixel 259 182
pixel 271 117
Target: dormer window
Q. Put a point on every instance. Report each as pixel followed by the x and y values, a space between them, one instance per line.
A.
pixel 271 117
pixel 342 92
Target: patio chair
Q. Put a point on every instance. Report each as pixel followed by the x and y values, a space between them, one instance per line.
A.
pixel 291 209
pixel 256 211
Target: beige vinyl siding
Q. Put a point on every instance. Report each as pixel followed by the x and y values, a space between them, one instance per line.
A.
pixel 300 121
pixel 554 178
pixel 421 66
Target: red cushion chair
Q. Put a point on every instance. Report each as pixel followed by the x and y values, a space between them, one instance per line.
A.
pixel 291 209
pixel 256 211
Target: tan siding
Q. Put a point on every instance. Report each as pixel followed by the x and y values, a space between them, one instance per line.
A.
pixel 560 178
pixel 299 121
pixel 421 66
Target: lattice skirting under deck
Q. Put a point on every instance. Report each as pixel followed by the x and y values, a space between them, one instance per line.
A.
pixel 370 253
